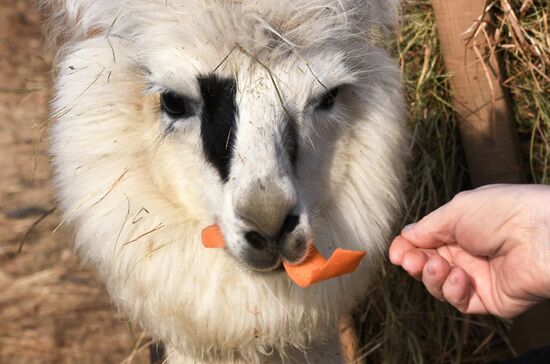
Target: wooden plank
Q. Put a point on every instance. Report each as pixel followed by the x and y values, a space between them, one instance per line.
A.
pixel 485 118
pixel 486 125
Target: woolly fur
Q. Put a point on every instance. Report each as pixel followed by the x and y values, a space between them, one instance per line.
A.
pixel 138 197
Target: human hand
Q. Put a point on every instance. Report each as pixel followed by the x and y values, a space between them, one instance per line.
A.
pixel 486 251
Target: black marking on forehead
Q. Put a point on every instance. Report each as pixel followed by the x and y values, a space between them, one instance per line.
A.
pixel 291 141
pixel 218 126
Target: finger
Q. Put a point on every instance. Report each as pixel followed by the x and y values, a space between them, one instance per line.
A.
pixel 457 289
pixel 434 275
pixel 398 248
pixel 413 262
pixel 435 229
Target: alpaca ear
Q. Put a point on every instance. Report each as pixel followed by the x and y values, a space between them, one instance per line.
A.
pixel 73 20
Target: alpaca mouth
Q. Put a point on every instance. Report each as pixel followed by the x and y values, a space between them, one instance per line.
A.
pixel 257 251
pixel 264 254
pixel 267 255
pixel 264 250
pixel 278 268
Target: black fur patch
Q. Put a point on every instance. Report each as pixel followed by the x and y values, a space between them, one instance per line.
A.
pixel 218 126
pixel 291 141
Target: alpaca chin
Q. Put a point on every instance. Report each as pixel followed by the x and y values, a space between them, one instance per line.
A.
pixel 137 187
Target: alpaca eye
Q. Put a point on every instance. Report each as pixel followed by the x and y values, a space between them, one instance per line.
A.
pixel 328 99
pixel 173 104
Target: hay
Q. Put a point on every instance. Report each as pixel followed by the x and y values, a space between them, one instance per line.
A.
pixel 400 322
pixel 523 43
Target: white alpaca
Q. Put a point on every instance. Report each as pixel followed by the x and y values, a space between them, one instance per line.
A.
pixel 280 120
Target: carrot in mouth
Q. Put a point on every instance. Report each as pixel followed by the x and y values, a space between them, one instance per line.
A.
pixel 315 268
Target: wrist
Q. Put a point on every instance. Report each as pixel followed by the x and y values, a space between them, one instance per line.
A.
pixel 546 260
pixel 544 237
pixel 529 231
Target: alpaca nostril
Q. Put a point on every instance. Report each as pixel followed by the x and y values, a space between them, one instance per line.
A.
pixel 256 240
pixel 289 225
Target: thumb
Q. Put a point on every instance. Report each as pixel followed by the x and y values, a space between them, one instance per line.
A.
pixel 433 230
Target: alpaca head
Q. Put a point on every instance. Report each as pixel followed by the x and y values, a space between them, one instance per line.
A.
pixel 280 120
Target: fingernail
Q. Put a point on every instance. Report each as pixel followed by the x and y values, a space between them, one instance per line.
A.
pixel 465 297
pixel 409 227
pixel 430 268
pixel 396 257
pixel 405 264
pixel 453 279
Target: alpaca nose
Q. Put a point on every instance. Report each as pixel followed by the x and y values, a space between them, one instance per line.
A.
pixel 258 241
pixel 266 207
pixel 289 225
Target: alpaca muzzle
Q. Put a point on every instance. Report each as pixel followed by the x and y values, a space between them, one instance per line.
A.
pixel 272 223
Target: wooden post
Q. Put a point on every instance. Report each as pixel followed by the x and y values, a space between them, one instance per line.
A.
pixel 485 122
pixel 485 116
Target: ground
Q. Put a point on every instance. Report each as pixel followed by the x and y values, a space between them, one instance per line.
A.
pixel 52 310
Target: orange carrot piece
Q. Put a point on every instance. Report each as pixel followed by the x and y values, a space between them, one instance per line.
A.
pixel 212 237
pixel 316 269
pixel 313 269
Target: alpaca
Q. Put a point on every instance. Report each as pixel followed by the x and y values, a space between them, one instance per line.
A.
pixel 282 121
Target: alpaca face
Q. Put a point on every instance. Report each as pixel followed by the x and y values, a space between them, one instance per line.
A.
pixel 262 135
pixel 248 107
